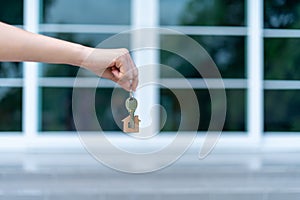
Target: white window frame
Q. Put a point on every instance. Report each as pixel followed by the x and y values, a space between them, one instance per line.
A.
pixel 254 84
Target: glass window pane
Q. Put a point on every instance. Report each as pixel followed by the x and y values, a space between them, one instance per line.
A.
pixel 11 12
pixel 281 113
pixel 86 12
pixel 57 109
pixel 110 108
pixel 235 117
pixel 92 40
pixel 10 109
pixel 204 12
pixel 11 70
pixel 282 58
pixel 227 52
pixel 281 14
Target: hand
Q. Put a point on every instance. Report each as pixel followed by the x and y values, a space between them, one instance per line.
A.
pixel 113 64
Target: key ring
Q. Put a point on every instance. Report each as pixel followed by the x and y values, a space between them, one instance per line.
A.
pixel 130 91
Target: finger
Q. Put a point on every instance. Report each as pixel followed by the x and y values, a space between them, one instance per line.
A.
pixel 127 72
pixel 125 85
pixel 134 71
pixel 116 73
pixel 122 73
pixel 135 79
pixel 127 77
pixel 134 84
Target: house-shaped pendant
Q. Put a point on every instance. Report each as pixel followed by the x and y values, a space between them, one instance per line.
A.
pixel 126 127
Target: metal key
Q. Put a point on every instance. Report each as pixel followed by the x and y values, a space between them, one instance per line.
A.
pixel 131 105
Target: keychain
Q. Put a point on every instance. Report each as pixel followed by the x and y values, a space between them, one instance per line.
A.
pixel 131 122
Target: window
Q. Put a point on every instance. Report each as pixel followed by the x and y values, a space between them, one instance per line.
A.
pixel 281 112
pixel 225 48
pixel 111 12
pixel 235 119
pixel 281 66
pixel 203 13
pixel 281 14
pixel 10 109
pixel 282 58
pixel 12 12
pixel 244 38
pixel 11 74
pixel 57 97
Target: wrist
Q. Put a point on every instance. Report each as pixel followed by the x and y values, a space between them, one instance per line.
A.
pixel 81 53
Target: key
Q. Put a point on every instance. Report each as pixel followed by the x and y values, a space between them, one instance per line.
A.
pixel 131 104
pixel 131 122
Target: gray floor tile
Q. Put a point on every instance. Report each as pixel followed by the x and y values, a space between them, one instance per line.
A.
pixel 284 196
pixel 244 196
pixel 21 197
pixel 184 196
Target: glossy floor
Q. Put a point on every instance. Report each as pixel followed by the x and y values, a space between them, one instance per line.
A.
pixel 76 175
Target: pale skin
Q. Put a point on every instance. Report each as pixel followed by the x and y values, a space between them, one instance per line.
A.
pixel 18 45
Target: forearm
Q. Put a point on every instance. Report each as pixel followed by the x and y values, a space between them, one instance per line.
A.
pixel 20 45
pixel 115 64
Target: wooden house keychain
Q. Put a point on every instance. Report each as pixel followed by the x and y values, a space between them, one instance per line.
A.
pixel 131 122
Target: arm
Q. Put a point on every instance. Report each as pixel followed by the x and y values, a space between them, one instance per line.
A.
pixel 115 64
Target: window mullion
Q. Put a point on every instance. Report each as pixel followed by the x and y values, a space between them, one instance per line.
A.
pixel 145 15
pixel 255 109
pixel 30 71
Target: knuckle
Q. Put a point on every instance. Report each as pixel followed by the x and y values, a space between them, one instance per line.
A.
pixel 124 51
pixel 135 72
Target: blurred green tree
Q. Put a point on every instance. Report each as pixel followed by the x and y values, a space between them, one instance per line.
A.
pixel 214 13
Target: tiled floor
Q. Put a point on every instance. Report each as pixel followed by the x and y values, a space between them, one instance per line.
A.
pixel 274 176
